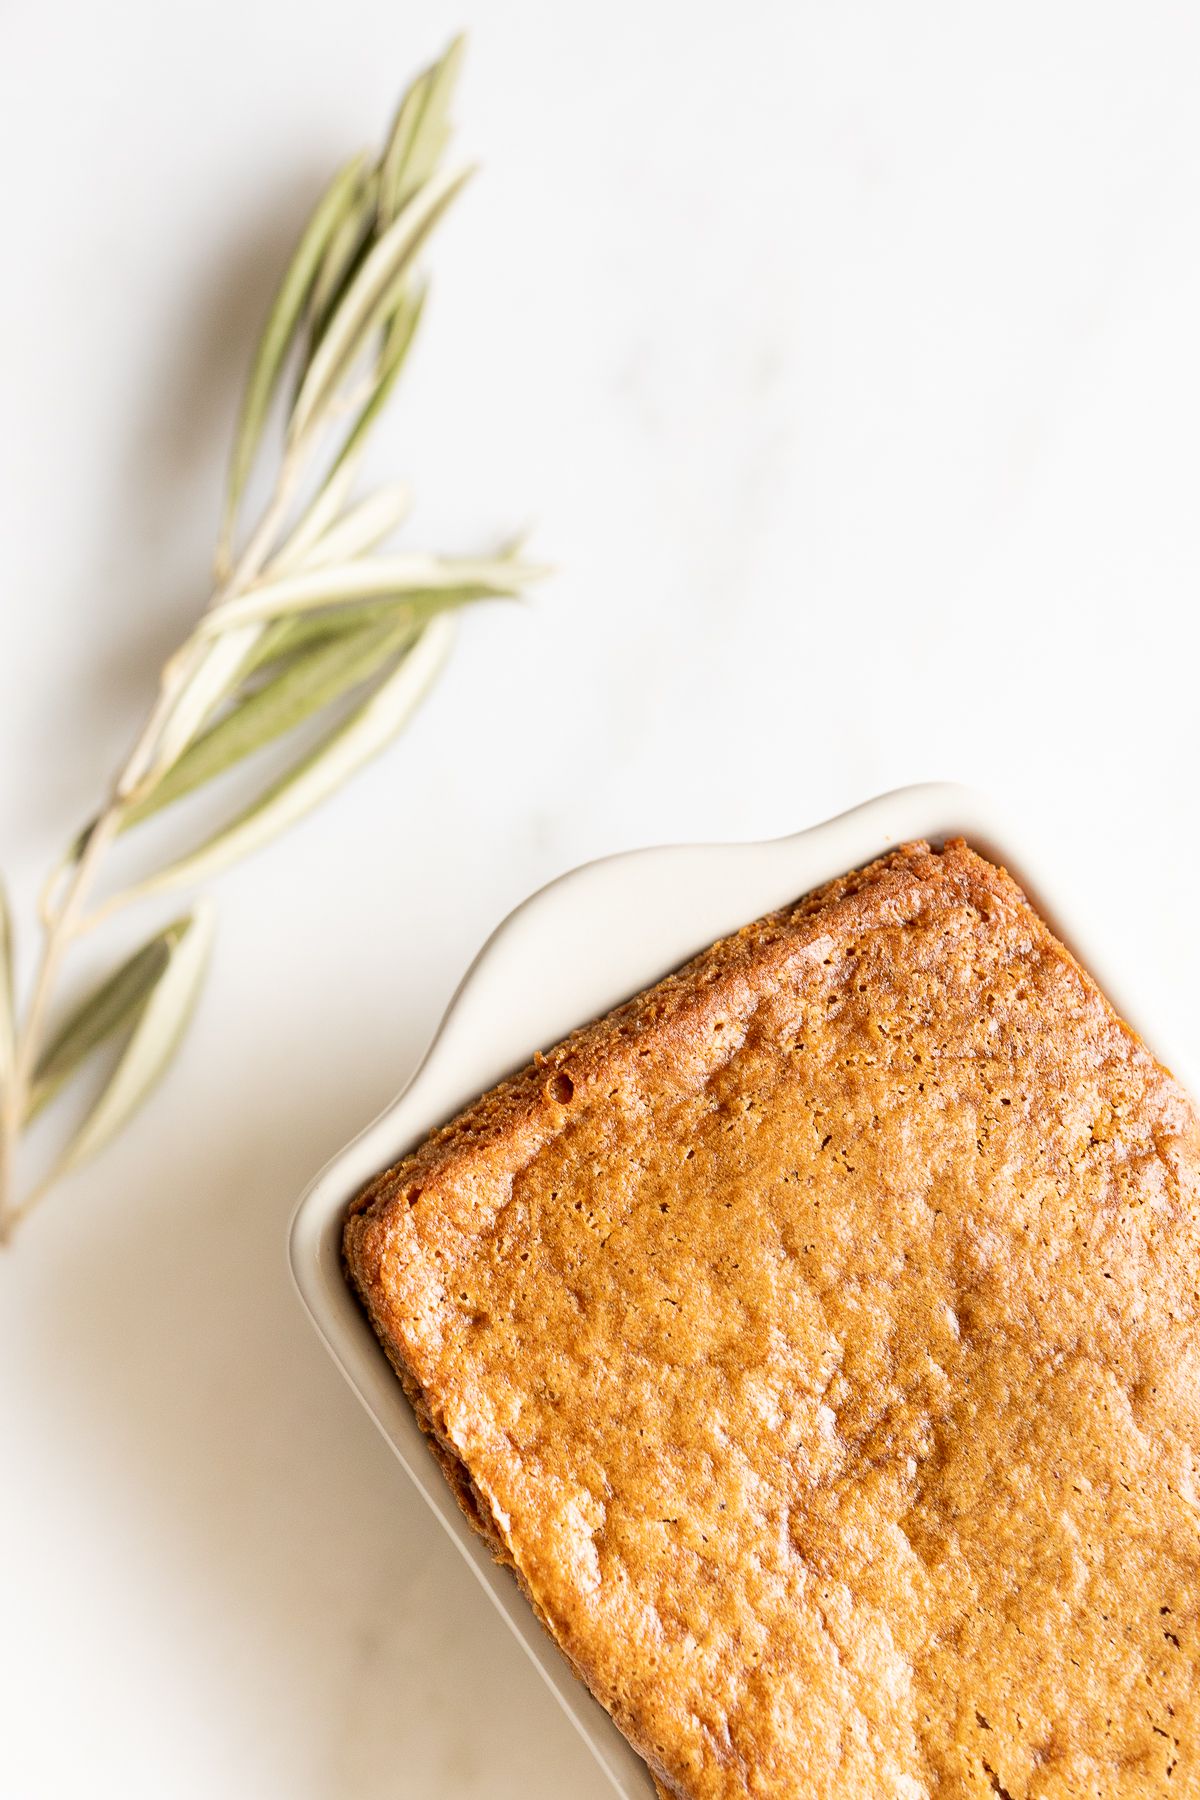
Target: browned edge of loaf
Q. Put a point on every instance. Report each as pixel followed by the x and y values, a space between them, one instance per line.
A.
pixel 539 1092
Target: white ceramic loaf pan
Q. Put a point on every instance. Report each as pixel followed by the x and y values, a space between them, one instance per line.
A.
pixel 569 952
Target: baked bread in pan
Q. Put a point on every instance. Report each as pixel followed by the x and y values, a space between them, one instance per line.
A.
pixel 817 1338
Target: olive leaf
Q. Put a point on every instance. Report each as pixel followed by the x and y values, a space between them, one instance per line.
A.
pixel 363 527
pixel 370 299
pixel 216 668
pixel 399 332
pixel 319 515
pixel 281 326
pixel 301 687
pixel 8 1007
pixel 159 1027
pixel 343 256
pixel 414 147
pixel 109 1008
pixel 419 134
pixel 421 584
pixel 285 639
pixel 371 726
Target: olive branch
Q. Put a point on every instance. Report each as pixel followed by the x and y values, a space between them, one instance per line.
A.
pixel 309 621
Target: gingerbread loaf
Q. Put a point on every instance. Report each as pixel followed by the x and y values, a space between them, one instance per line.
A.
pixel 817 1337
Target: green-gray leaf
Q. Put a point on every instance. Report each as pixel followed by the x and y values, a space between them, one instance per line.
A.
pixel 302 686
pixel 414 148
pixel 362 527
pixel 346 749
pixel 209 674
pixel 108 1009
pixel 284 639
pixel 419 134
pixel 399 333
pixel 370 299
pixel 155 1037
pixel 421 584
pixel 343 255
pixel 318 515
pixel 281 325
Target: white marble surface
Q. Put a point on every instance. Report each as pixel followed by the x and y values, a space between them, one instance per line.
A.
pixel 846 360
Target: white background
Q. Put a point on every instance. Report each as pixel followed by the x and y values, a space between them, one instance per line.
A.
pixel 844 359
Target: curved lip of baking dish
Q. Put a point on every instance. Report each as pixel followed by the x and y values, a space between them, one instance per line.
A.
pixel 575 948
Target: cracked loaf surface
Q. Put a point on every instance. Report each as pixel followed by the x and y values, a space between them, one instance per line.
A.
pixel 818 1339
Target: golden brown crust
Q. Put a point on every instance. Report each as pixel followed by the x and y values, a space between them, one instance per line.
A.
pixel 817 1337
